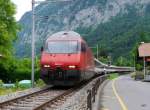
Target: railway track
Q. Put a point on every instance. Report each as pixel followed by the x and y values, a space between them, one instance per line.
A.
pixel 31 101
pixel 46 99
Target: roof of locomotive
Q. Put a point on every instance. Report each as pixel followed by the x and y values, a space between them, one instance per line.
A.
pixel 65 35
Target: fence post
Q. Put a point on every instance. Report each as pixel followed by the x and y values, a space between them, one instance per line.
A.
pixel 89 100
pixel 93 93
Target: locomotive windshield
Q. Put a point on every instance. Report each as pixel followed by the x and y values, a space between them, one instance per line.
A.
pixel 62 47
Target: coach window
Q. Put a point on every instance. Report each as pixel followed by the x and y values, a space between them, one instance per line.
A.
pixel 83 47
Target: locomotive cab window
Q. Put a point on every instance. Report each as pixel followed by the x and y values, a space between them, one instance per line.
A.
pixel 62 47
pixel 83 47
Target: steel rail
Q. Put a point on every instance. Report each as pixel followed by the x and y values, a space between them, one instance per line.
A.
pixel 54 100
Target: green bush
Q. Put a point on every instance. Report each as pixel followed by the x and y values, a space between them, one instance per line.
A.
pixel 133 75
pixel 139 67
pixel 40 83
pixel 113 76
pixel 139 75
pixel 24 86
pixel 17 84
pixel 19 69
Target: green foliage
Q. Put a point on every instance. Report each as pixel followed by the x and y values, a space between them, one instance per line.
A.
pixel 8 27
pixel 5 91
pixel 104 59
pixel 24 86
pixel 122 61
pixel 113 76
pixel 1 84
pixel 40 83
pixel 23 69
pixel 17 84
pixel 139 67
pixel 19 69
pixel 8 33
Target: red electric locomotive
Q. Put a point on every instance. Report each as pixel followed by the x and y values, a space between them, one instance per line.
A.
pixel 66 59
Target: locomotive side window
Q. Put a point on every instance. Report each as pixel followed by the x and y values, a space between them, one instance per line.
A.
pixel 83 47
pixel 62 47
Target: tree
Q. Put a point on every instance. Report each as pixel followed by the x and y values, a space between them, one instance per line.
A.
pixel 8 26
pixel 8 33
pixel 121 61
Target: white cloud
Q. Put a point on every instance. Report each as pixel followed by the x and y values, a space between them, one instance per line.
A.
pixel 22 7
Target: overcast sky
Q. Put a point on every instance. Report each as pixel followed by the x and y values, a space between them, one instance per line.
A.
pixel 22 7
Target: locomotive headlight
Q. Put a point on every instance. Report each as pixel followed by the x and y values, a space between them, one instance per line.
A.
pixel 72 66
pixel 47 66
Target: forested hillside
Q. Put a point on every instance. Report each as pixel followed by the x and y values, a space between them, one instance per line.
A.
pixel 116 25
pixel 120 35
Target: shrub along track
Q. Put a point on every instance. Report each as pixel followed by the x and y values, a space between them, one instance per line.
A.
pixel 43 99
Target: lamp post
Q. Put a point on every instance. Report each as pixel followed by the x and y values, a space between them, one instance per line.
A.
pixel 33 33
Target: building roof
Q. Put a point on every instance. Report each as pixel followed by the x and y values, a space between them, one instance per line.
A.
pixel 144 50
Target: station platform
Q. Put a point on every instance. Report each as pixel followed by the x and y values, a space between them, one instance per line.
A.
pixel 124 93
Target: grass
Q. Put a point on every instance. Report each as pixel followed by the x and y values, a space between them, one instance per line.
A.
pixel 5 91
pixel 113 76
pixel 18 87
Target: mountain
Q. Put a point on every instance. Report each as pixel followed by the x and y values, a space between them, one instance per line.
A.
pixel 116 25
